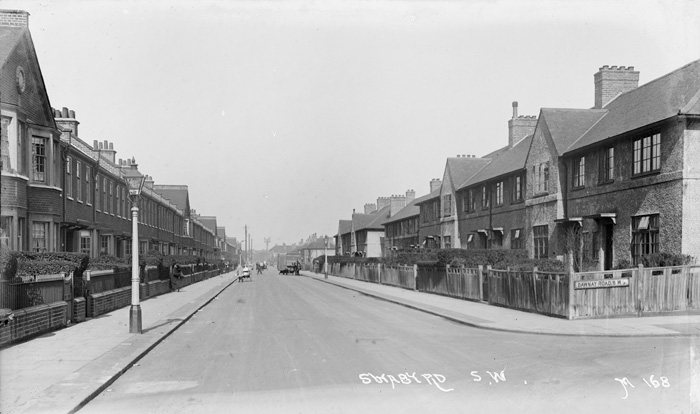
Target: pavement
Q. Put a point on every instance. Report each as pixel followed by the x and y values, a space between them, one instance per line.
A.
pixel 61 371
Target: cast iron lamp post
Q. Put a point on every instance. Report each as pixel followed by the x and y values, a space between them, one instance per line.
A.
pixel 134 180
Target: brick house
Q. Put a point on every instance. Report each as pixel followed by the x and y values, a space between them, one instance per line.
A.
pixel 602 186
pixel 60 193
pixel 632 177
pixel 32 206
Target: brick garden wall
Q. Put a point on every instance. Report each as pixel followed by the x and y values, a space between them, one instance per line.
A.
pixel 34 321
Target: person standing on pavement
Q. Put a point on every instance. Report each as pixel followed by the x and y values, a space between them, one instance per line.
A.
pixel 177 275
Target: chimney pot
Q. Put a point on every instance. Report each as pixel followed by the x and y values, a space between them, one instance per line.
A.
pixel 72 114
pixel 64 112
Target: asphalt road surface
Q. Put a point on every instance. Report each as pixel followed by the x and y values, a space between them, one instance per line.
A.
pixel 291 344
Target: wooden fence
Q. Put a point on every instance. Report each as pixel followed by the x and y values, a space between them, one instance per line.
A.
pixel 455 282
pixel 400 276
pixel 629 292
pixel 540 292
pixel 639 291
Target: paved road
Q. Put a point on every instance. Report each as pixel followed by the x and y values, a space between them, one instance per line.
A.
pixel 293 344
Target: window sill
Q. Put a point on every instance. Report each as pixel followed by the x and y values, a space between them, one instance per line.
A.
pixel 579 188
pixel 646 174
pixel 606 182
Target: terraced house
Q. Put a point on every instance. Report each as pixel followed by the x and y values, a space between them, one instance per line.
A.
pixel 60 193
pixel 604 185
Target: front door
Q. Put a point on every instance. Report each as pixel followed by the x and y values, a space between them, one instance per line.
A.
pixel 608 246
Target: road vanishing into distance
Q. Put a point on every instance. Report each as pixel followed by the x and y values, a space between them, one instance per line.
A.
pixel 293 344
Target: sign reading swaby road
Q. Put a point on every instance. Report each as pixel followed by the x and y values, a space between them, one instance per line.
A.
pixel 597 284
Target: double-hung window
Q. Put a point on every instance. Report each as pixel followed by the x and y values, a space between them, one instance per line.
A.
pixel 518 185
pixel 88 190
pixel 485 197
pixel 540 174
pixel 78 182
pixel 69 177
pixel 607 165
pixel 39 159
pixel 647 154
pixel 499 193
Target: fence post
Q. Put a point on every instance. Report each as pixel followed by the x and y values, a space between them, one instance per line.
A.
pixel 488 282
pixel 379 270
pixel 570 276
pixel 480 272
pixel 415 277
pixel 640 289
pixel 534 288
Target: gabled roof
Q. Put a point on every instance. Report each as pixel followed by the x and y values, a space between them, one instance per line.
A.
pixel 675 93
pixel 177 194
pixel 370 221
pixel 505 162
pixel 344 227
pixel 411 210
pixel 18 41
pixel 567 125
pixel 461 169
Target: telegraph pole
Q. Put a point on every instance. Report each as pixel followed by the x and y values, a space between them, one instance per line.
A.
pixel 267 243
pixel 246 243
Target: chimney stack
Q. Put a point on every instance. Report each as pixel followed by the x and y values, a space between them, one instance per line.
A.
pixel 613 81
pixel 397 203
pixel 410 196
pixel 14 18
pixel 435 184
pixel 370 208
pixel 383 202
pixel 65 119
pixel 520 126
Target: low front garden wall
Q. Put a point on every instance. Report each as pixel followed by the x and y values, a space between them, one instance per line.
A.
pixel 32 321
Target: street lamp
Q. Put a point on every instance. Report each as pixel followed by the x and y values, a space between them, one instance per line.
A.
pixel 325 259
pixel 134 180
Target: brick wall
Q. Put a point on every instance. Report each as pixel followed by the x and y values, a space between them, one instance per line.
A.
pixel 45 201
pixel 79 309
pixel 100 303
pixel 33 321
pixel 14 192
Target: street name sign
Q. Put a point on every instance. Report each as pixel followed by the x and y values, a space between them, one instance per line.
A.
pixel 598 284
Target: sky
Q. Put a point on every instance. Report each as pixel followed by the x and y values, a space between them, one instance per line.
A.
pixel 284 116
